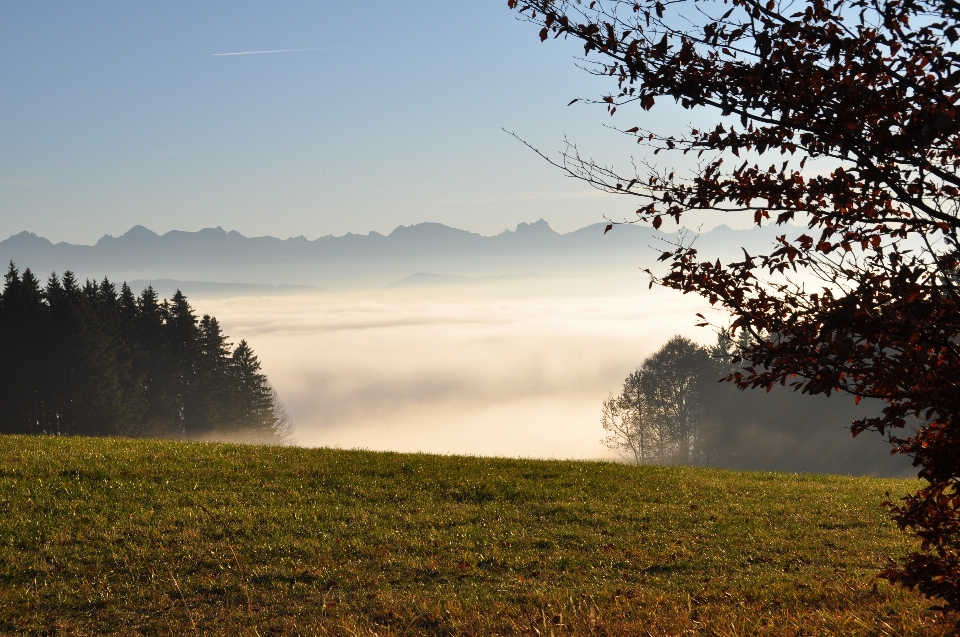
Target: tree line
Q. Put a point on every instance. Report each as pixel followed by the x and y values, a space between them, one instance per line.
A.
pixel 90 360
pixel 672 409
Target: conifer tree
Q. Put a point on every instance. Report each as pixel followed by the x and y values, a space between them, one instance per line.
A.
pixel 85 360
pixel 214 380
pixel 153 367
pixel 254 413
pixel 87 395
pixel 183 335
pixel 20 335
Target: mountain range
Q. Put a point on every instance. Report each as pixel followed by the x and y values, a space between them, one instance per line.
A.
pixel 372 259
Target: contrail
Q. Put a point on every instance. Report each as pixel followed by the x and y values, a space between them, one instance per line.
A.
pixel 274 51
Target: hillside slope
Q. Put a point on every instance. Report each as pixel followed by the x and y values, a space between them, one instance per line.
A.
pixel 114 536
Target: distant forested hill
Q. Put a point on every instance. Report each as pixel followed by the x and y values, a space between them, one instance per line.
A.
pixel 214 254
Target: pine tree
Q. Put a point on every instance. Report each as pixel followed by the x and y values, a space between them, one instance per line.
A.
pixel 85 360
pixel 182 336
pixel 114 331
pixel 254 405
pixel 21 372
pixel 82 361
pixel 153 368
pixel 214 380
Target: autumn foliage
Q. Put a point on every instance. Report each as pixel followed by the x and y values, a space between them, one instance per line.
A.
pixel 841 117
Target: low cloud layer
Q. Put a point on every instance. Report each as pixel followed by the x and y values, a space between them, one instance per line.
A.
pixel 451 371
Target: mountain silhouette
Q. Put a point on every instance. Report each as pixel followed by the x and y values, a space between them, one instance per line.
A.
pixel 373 259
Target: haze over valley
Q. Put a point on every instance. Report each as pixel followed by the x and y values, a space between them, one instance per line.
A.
pixel 438 340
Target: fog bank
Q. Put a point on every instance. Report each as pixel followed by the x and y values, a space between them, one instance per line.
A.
pixel 515 366
pixel 515 370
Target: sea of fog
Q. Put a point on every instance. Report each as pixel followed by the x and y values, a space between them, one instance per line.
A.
pixel 503 368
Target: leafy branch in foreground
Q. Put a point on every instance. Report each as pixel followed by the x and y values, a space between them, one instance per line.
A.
pixel 866 302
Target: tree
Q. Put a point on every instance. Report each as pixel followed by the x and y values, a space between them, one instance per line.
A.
pixel 625 419
pixel 83 374
pixel 671 384
pixel 213 377
pixel 866 90
pixel 657 415
pixel 85 360
pixel 154 367
pixel 182 337
pixel 253 413
pixel 22 371
pixel 283 429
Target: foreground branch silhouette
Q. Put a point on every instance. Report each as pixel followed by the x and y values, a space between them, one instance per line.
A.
pixel 867 89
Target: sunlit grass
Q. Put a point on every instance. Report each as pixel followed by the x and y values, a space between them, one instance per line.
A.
pixel 148 537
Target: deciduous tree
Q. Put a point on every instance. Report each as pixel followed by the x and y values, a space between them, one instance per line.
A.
pixel 672 380
pixel 626 419
pixel 857 102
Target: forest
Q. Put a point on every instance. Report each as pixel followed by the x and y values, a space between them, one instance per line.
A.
pixel 90 360
pixel 676 409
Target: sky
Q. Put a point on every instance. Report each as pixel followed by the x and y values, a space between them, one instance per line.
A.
pixel 390 112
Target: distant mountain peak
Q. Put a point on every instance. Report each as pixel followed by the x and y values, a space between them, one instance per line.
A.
pixel 429 229
pixel 29 238
pixel 139 232
pixel 135 234
pixel 218 231
pixel 540 226
pixel 27 235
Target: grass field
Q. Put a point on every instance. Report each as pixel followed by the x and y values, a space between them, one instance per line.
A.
pixel 104 536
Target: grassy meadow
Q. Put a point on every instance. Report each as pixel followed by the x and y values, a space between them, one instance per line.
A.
pixel 111 536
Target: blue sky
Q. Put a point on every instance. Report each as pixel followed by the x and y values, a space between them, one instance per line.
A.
pixel 118 113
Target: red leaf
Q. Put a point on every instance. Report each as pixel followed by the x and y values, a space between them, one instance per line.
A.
pixel 632 130
pixel 657 222
pixel 543 34
pixel 608 228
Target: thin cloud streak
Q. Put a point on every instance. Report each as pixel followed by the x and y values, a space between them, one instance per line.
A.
pixel 273 51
